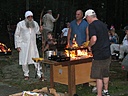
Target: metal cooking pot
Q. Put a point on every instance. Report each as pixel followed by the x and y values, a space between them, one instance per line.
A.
pixel 49 53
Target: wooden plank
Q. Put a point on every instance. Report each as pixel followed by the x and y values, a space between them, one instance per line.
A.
pixel 50 62
pixel 68 75
pixel 45 90
pixel 76 62
pixel 51 77
pixel 66 63
pixel 60 74
pixel 82 73
pixel 71 80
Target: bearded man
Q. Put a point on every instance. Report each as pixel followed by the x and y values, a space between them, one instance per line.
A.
pixel 25 43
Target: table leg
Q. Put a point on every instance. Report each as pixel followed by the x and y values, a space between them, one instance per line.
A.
pixel 51 77
pixel 71 80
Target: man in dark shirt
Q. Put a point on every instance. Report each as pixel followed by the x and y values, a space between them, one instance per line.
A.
pixel 100 47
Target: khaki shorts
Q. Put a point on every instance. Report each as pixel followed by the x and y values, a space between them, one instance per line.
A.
pixel 100 68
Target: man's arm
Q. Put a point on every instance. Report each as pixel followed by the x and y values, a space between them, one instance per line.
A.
pixel 87 34
pixel 17 37
pixel 54 19
pixel 68 37
pixel 46 47
pixel 92 42
pixel 57 17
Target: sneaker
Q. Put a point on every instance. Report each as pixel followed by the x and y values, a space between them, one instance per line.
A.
pixel 113 54
pixel 42 78
pixel 106 94
pixel 94 90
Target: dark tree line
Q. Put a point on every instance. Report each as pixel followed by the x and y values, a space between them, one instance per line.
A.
pixel 112 12
pixel 117 13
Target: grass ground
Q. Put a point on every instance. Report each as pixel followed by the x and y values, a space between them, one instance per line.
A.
pixel 118 85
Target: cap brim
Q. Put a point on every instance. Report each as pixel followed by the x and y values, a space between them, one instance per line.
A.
pixel 84 17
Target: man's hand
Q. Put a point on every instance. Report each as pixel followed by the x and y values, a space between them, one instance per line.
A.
pixel 68 45
pixel 89 49
pixel 58 15
pixel 18 49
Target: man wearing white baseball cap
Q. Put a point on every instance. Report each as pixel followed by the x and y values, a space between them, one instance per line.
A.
pixel 89 13
pixel 25 43
pixel 100 46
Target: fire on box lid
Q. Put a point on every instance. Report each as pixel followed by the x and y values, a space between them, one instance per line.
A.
pixel 76 52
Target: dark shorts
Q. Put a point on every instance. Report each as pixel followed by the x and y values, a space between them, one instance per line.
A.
pixel 100 68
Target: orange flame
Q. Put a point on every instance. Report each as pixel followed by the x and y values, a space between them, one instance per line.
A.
pixel 77 53
pixel 74 54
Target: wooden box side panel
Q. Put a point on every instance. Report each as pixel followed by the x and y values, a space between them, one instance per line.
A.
pixel 60 74
pixel 82 73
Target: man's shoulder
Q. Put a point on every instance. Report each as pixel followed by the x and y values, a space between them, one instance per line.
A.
pixel 21 22
pixel 97 22
pixel 125 37
pixel 64 29
pixel 47 15
pixel 35 22
pixel 73 21
pixel 84 22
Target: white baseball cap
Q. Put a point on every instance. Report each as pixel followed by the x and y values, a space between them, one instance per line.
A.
pixel 89 12
pixel 28 13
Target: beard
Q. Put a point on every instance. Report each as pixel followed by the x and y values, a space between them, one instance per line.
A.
pixel 29 24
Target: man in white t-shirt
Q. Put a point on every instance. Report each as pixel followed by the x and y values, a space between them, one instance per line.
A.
pixel 65 30
pixel 65 33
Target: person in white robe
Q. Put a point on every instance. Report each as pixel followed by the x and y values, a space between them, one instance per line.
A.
pixel 25 43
